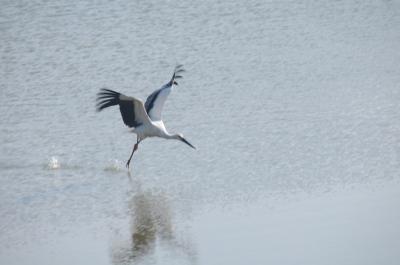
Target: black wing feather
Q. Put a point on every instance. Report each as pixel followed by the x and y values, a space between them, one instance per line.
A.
pixel 127 109
pixel 151 99
pixel 107 98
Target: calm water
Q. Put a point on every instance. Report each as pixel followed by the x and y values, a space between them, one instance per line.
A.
pixel 285 100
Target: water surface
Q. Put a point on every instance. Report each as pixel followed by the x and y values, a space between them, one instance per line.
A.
pixel 287 101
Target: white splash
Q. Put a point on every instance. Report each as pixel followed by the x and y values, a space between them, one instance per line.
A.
pixel 53 163
pixel 114 165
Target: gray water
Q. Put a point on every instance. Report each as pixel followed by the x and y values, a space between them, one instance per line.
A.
pixel 285 100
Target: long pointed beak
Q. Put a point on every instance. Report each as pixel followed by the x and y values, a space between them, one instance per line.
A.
pixel 186 142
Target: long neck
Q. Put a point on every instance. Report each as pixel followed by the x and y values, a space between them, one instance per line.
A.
pixel 172 136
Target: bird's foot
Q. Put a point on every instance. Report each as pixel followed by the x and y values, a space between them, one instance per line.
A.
pixel 127 164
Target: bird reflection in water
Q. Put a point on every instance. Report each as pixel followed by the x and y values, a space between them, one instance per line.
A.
pixel 151 227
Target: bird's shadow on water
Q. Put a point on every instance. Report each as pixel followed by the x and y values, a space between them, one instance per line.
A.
pixel 152 225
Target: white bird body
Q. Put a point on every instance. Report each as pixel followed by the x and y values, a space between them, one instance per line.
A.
pixel 145 119
pixel 154 129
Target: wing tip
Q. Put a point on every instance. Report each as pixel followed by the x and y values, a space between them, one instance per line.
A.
pixel 106 98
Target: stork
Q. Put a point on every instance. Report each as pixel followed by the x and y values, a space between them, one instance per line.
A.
pixel 145 119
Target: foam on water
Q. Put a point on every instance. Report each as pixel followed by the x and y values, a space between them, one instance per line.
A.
pixel 53 163
pixel 114 165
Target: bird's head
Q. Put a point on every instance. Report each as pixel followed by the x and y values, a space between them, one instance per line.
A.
pixel 180 137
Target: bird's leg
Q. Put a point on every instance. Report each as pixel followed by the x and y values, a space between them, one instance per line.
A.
pixel 135 147
pixel 129 160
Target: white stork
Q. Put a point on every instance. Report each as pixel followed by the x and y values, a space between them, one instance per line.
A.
pixel 145 119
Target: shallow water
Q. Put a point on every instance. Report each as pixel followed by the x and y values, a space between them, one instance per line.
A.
pixel 286 101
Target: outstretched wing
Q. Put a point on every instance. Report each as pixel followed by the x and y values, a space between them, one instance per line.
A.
pixel 132 109
pixel 155 102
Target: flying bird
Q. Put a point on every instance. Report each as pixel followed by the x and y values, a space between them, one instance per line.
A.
pixel 145 119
